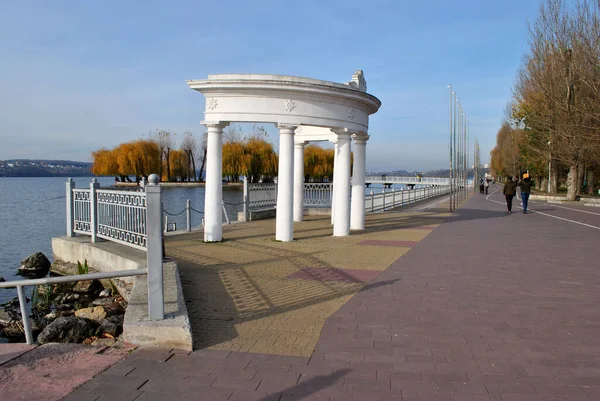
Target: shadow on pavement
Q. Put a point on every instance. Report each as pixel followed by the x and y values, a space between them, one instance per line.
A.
pixel 308 387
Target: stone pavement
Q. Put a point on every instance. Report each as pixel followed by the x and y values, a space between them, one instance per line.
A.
pixel 488 306
pixel 253 294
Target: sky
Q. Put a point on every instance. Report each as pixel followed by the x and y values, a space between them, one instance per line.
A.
pixel 76 76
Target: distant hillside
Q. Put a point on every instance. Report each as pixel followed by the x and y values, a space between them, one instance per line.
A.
pixel 44 168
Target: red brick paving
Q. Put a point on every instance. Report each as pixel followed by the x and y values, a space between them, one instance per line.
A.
pixel 488 307
pixel 406 244
pixel 334 275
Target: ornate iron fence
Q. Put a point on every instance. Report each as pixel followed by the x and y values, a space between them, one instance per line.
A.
pixel 121 217
pixel 262 196
pixel 317 194
pixel 81 211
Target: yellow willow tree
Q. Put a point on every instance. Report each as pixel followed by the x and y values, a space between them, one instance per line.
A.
pixel 318 163
pixel 105 162
pixel 178 162
pixel 260 160
pixel 145 157
pixel 139 158
pixel 125 160
pixel 234 160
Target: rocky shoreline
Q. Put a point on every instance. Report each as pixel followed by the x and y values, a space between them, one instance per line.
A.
pixel 88 311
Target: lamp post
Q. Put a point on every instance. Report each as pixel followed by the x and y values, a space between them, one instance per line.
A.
pixel 549 166
pixel 450 129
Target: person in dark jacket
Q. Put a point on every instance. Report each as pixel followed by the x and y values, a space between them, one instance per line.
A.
pixel 525 185
pixel 509 190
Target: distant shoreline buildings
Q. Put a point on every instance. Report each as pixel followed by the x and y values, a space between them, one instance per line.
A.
pixel 44 168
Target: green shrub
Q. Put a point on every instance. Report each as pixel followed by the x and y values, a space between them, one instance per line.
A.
pixel 83 269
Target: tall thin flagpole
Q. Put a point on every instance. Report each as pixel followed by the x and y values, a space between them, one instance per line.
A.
pixel 468 150
pixel 454 149
pixel 464 164
pixel 450 147
pixel 456 133
pixel 459 154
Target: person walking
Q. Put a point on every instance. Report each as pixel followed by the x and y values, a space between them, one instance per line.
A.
pixel 509 190
pixel 486 184
pixel 525 185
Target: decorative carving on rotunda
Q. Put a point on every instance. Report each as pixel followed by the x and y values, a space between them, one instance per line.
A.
pixel 211 103
pixel 351 113
pixel 289 105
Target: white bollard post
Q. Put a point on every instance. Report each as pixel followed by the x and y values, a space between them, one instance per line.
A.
pixel 70 211
pixel 246 201
pixel 188 215
pixel 154 249
pixel 94 209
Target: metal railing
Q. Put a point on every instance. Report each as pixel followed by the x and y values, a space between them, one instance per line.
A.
pixel 81 211
pixel 406 180
pixel 318 194
pixel 262 196
pixel 398 198
pixel 26 308
pixel 188 216
pixel 122 217
pixel 132 218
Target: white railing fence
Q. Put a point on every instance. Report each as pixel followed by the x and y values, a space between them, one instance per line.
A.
pixel 376 202
pixel 132 218
pixel 317 194
pixel 81 211
pixel 407 180
pixel 320 194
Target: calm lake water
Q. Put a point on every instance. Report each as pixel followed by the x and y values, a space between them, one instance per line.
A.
pixel 32 211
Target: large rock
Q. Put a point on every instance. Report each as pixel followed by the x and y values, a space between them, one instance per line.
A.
pixel 63 268
pixel 36 265
pixel 69 329
pixel 5 317
pixel 86 286
pixel 108 327
pixel 96 314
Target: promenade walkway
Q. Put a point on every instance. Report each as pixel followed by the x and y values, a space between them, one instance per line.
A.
pixel 487 306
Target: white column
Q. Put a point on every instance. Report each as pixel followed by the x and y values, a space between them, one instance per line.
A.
pixel 213 192
pixel 298 181
pixel 341 224
pixel 284 228
pixel 335 174
pixel 357 218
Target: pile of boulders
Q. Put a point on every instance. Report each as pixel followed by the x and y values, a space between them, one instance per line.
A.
pixel 88 311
